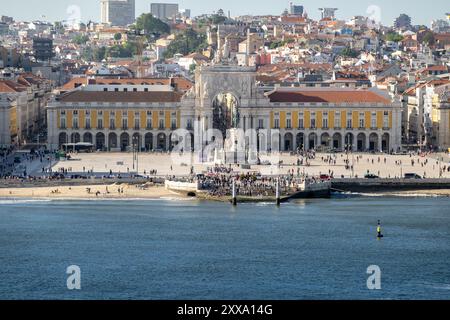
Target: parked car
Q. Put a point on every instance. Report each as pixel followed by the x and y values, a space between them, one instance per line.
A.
pixel 325 177
pixel 371 176
pixel 412 176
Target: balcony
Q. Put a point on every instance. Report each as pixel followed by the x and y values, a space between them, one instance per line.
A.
pixel 137 128
pixel 124 128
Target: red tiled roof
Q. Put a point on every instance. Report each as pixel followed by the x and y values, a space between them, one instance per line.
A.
pixel 125 97
pixel 343 96
pixel 11 86
pixel 180 83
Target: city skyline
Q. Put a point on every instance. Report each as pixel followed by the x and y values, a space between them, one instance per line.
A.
pixel 421 12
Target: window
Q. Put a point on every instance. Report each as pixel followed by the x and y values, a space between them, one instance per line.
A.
pixel 277 123
pixel 125 90
pixel 75 123
pixel 313 120
pixel 125 124
pixel 136 123
pixel 361 120
pixel 373 120
pixel 386 119
pixel 325 120
pixel 189 124
pixel 88 123
pixel 100 124
pixel 116 89
pixel 105 89
pixel 301 123
pixel 337 120
pixel 288 123
pixel 174 124
pixel 63 123
pixel 149 123
pixel 349 120
pixel 161 124
pixel 260 123
pixel 112 124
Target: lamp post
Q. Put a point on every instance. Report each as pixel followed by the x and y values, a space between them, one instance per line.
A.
pixel 135 153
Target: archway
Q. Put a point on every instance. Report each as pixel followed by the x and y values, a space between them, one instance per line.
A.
pixel 226 113
pixel 124 141
pixel 87 137
pixel 312 141
pixel 162 141
pixel 112 137
pixel 63 138
pixel 75 137
pixel 385 143
pixel 148 141
pixel 337 141
pixel 325 140
pixel 300 141
pixel 288 142
pixel 373 142
pixel 361 142
pixel 100 141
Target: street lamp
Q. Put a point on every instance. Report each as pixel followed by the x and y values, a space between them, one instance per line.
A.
pixel 135 153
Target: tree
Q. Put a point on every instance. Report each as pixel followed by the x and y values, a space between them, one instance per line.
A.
pixel 394 37
pixel 429 39
pixel 403 22
pixel 151 25
pixel 80 39
pixel 118 36
pixel 348 52
pixel 186 42
pixel 127 50
pixel 217 19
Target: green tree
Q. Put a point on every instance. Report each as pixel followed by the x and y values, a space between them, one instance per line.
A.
pixel 80 39
pixel 118 36
pixel 151 25
pixel 394 37
pixel 348 52
pixel 429 39
pixel 186 42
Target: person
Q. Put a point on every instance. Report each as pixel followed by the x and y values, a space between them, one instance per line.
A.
pixel 379 234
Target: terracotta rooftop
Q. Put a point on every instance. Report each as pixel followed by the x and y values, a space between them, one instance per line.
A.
pixel 11 86
pixel 181 84
pixel 342 96
pixel 125 97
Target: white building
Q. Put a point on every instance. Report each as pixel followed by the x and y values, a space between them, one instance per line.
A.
pixel 118 12
pixel 164 10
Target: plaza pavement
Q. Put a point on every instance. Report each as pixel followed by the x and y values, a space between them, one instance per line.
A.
pixel 165 164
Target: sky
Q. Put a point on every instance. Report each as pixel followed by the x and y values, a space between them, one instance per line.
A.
pixel 422 12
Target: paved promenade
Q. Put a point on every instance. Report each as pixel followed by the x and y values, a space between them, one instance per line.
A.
pixel 340 165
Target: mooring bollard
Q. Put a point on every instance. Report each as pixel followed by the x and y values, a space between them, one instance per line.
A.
pixel 278 193
pixel 234 198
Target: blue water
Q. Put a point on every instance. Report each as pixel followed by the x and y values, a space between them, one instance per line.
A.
pixel 167 249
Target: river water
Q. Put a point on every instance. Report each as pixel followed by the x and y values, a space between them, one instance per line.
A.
pixel 185 249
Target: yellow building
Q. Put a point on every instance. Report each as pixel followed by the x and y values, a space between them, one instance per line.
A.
pixel 224 98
